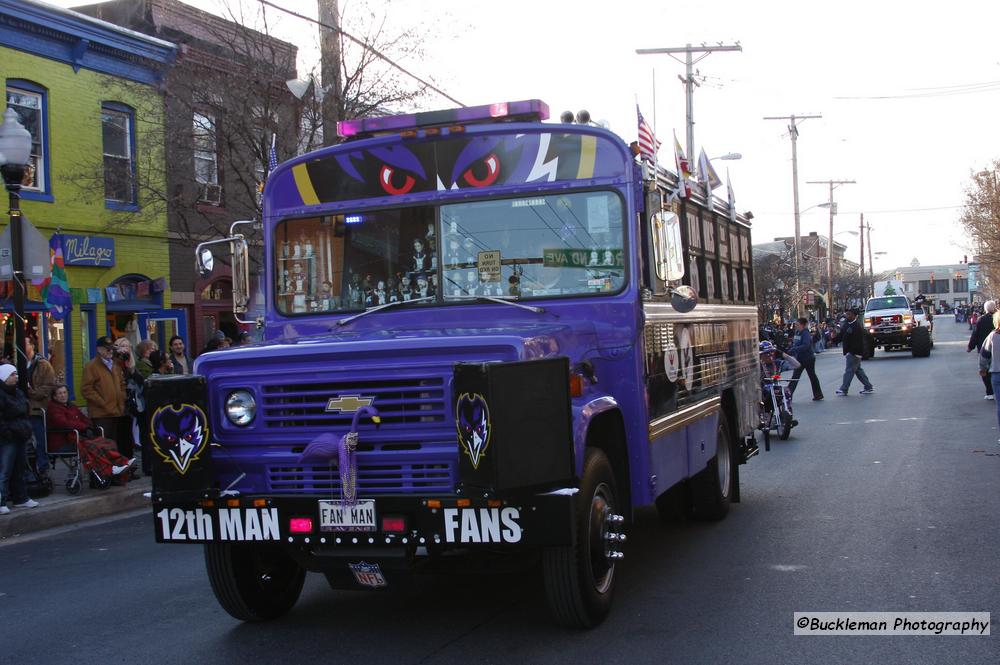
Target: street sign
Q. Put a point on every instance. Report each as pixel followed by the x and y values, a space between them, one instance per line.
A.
pixel 35 253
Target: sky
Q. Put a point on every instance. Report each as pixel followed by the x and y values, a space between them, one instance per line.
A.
pixel 908 93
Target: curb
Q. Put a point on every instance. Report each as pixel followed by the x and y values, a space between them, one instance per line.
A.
pixel 71 510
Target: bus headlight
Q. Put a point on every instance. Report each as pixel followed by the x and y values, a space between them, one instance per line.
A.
pixel 241 408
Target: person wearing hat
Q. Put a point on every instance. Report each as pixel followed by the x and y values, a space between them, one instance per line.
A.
pixel 983 329
pixel 15 432
pixel 104 389
pixel 852 338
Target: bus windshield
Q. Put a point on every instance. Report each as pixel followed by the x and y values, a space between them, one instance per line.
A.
pixel 542 246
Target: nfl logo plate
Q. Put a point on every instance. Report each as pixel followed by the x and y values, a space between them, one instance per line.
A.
pixel 368 574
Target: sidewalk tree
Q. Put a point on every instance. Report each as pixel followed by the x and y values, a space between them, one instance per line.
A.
pixel 981 219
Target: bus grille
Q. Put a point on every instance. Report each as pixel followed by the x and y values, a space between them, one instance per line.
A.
pixel 399 401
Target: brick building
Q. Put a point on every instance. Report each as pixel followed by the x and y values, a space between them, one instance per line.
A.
pixel 227 104
pixel 89 93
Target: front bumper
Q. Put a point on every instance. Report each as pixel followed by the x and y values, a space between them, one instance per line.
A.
pixel 443 522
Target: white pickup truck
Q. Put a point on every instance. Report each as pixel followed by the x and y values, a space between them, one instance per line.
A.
pixel 892 324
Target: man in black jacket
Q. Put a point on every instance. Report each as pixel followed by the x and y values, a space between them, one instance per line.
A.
pixel 852 341
pixel 979 335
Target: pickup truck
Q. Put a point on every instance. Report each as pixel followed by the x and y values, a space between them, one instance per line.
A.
pixel 892 323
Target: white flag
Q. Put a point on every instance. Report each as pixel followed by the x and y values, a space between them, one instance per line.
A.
pixel 732 199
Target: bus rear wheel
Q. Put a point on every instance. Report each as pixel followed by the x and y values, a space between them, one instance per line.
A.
pixel 253 582
pixel 580 578
pixel 713 488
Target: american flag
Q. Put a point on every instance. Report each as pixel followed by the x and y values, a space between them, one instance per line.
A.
pixel 648 144
pixel 272 157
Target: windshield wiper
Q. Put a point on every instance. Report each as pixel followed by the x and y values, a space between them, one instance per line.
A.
pixel 347 319
pixel 506 301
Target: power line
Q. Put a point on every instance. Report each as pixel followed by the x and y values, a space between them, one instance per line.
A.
pixel 853 212
pixel 368 48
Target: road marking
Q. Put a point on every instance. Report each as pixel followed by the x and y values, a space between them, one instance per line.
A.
pixel 877 420
pixel 785 568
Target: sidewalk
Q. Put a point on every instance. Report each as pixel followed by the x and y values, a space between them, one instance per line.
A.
pixel 61 508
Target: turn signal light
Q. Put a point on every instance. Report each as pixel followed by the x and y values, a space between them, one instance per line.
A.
pixel 575 385
pixel 393 524
pixel 300 525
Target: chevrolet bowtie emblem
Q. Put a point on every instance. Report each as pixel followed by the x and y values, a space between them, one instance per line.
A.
pixel 348 403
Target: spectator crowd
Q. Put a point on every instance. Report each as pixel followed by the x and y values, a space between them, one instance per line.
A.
pixel 110 442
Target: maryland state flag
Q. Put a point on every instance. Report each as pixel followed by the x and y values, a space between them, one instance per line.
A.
pixel 55 290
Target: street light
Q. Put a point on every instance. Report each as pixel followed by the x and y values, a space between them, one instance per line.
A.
pixel 15 151
pixel 728 157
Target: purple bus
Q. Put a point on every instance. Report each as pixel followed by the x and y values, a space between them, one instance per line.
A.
pixel 484 335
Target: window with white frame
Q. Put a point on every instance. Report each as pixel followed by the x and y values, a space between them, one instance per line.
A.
pixel 30 108
pixel 119 154
pixel 206 158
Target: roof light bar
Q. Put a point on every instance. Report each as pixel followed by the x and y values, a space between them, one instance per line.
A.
pixel 530 109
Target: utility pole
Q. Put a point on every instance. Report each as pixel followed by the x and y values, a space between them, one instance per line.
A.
pixel 861 234
pixel 793 131
pixel 688 79
pixel 871 267
pixel 329 44
pixel 829 244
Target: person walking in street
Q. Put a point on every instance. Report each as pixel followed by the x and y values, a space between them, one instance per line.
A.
pixel 802 351
pixel 41 379
pixel 989 359
pixel 983 329
pixel 182 364
pixel 104 389
pixel 15 432
pixel 851 337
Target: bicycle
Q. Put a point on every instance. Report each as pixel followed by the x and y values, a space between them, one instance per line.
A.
pixel 776 416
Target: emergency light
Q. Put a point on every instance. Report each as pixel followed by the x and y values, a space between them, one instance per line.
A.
pixel 533 110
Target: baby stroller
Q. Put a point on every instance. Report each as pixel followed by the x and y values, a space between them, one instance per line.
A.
pixel 776 404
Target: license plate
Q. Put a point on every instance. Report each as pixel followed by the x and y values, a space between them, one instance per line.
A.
pixel 337 516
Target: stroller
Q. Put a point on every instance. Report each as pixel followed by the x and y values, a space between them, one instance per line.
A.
pixel 776 404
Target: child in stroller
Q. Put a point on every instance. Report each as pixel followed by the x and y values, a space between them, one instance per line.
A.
pixel 776 398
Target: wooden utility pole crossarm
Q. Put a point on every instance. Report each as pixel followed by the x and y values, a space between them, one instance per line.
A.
pixel 689 76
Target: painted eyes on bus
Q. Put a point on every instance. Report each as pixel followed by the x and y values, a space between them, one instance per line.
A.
pixel 484 173
pixel 395 182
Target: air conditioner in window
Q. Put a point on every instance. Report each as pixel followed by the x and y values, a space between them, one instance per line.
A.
pixel 209 193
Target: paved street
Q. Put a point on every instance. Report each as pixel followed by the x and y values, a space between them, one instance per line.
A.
pixel 886 502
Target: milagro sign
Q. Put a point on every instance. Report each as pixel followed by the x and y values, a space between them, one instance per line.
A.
pixel 94 251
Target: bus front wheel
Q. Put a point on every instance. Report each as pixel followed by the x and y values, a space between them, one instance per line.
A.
pixel 253 582
pixel 580 578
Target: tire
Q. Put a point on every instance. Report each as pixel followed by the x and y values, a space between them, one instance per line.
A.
pixel 920 342
pixel 580 578
pixel 73 485
pixel 253 582
pixel 784 425
pixel 767 440
pixel 713 488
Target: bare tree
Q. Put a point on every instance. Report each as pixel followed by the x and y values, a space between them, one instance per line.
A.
pixel 226 101
pixel 981 219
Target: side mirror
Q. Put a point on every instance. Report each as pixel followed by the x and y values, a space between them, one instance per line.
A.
pixel 205 262
pixel 684 299
pixel 241 274
pixel 667 250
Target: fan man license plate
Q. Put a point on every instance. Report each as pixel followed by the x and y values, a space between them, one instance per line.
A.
pixel 338 516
